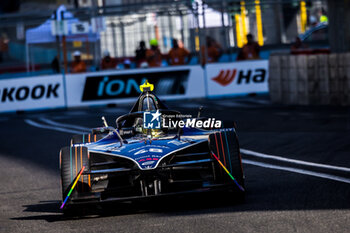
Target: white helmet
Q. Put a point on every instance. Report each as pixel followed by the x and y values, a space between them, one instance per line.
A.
pixel 77 54
pixel 106 53
pixel 144 65
pixel 313 19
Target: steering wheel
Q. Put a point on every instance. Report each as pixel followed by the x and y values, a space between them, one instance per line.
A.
pixel 134 115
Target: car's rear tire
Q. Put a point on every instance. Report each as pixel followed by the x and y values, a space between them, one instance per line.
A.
pixel 72 160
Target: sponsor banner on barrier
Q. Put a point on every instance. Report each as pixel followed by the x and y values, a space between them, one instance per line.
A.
pixel 123 86
pixel 31 93
pixel 242 77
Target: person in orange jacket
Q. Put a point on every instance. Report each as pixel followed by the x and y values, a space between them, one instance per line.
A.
pixel 177 55
pixel 108 62
pixel 212 51
pixel 153 55
pixel 78 65
pixel 249 51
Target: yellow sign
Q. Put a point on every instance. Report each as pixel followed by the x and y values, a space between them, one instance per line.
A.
pixel 239 35
pixel 259 23
pixel 146 85
pixel 243 22
pixel 77 44
pixel 303 16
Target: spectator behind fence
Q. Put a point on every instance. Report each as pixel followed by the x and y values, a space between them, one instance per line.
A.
pixel 55 65
pixel 78 66
pixel 313 21
pixel 249 51
pixel 177 55
pixel 127 64
pixel 141 54
pixel 107 61
pixel 212 51
pixel 153 55
pixel 323 16
pixel 4 47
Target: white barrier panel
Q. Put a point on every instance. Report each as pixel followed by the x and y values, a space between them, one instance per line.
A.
pixel 115 86
pixel 31 93
pixel 242 77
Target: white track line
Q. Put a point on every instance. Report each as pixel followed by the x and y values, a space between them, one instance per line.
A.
pixel 266 156
pixel 54 123
pixel 297 170
pixel 35 124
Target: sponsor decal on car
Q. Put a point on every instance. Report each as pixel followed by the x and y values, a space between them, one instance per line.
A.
pixel 177 142
pixel 140 152
pixel 146 147
pixel 153 150
pixel 148 163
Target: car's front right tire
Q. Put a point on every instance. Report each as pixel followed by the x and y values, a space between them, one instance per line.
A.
pixel 72 160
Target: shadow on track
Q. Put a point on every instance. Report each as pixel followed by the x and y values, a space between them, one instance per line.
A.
pixel 202 203
pixel 275 191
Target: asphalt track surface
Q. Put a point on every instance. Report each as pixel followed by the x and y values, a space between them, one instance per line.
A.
pixel 296 162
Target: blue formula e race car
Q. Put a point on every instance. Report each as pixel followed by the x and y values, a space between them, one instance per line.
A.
pixel 152 152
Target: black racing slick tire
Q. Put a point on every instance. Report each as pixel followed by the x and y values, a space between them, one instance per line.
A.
pixel 72 160
pixel 224 144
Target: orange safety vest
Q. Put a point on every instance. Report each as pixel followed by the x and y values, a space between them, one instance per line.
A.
pixel 177 56
pixel 154 58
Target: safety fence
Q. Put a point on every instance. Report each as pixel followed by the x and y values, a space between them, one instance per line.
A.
pixel 115 87
pixel 31 42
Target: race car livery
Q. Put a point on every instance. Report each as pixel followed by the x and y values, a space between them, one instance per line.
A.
pixel 145 156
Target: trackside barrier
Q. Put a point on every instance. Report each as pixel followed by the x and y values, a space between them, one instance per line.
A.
pixel 32 93
pixel 122 86
pixel 322 79
pixel 99 88
pixel 237 78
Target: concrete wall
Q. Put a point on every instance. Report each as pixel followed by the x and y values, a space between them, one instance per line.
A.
pixel 339 30
pixel 310 79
